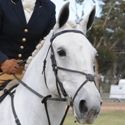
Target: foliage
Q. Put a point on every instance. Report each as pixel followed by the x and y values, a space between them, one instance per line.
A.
pixel 108 36
pixel 105 59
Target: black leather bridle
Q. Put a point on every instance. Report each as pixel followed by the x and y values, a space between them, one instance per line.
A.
pixel 63 96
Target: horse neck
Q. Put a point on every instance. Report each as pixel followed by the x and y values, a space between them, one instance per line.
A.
pixel 34 78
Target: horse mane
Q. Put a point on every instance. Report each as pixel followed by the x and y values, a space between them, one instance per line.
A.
pixel 37 49
pixel 72 24
pixel 34 53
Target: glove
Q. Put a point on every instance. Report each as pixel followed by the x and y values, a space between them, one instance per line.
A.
pixel 10 66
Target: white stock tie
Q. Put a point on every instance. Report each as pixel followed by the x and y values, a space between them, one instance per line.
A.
pixel 28 6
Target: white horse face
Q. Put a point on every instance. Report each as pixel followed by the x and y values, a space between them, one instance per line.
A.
pixel 74 51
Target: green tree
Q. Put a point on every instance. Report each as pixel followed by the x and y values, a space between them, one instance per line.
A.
pixel 108 36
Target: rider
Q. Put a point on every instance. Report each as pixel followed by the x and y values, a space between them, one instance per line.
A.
pixel 23 23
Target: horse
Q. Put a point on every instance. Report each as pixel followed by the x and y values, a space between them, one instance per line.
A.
pixel 61 75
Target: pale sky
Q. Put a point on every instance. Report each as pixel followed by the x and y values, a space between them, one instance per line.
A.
pixel 86 5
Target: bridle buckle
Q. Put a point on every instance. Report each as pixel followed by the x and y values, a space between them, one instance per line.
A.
pixel 69 100
pixel 90 77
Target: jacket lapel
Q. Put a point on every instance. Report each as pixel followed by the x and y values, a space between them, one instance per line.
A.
pixel 18 8
pixel 35 13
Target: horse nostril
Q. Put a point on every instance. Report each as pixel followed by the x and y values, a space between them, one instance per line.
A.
pixel 101 103
pixel 82 106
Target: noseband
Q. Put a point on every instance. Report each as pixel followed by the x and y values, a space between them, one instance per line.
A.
pixel 63 96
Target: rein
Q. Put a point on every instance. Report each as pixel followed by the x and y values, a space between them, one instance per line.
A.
pixel 63 96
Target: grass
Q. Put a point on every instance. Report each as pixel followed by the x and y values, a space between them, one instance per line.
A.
pixel 107 118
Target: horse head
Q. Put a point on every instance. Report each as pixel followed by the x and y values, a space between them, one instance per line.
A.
pixel 72 58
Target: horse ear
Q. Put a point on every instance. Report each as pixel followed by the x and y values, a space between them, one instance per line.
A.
pixel 64 15
pixel 91 18
pixel 88 19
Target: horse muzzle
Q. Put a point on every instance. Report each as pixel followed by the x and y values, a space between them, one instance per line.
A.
pixel 85 114
pixel 86 110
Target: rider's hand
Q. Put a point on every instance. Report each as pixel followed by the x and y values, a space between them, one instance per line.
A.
pixel 10 66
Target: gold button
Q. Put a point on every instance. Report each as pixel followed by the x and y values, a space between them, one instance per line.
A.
pixel 19 55
pixel 21 47
pixel 25 30
pixel 24 39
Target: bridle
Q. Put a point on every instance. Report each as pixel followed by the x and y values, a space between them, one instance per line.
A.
pixel 56 68
pixel 63 96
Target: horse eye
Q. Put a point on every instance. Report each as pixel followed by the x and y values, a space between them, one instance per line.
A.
pixel 61 52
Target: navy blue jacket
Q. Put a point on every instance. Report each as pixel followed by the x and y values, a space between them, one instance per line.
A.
pixel 17 38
